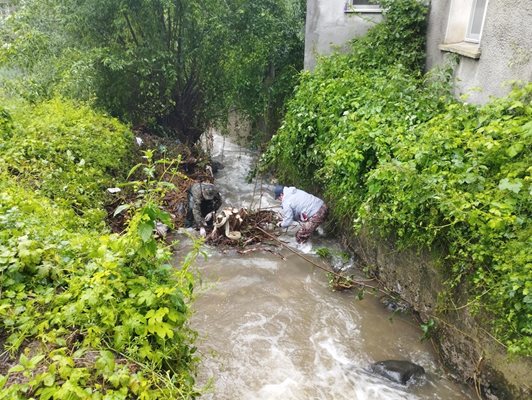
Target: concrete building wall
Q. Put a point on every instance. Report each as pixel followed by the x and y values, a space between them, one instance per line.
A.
pixel 438 16
pixel 505 48
pixel 330 25
pixel 484 69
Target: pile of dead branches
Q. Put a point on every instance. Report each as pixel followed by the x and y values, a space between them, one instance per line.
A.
pixel 243 229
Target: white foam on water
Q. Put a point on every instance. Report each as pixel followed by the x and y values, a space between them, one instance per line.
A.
pixel 238 163
pixel 264 368
pixel 285 389
pixel 305 248
pixel 262 263
pixel 339 376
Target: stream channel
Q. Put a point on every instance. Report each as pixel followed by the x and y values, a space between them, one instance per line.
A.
pixel 272 328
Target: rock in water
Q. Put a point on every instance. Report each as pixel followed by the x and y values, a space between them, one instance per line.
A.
pixel 398 371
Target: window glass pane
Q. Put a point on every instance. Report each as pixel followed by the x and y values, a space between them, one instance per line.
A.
pixel 478 17
pixel 365 5
pixel 476 21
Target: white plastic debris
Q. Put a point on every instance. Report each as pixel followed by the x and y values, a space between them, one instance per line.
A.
pixel 209 216
pixel 139 140
pixel 114 190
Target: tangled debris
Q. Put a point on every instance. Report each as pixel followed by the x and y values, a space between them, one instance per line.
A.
pixel 179 167
pixel 242 228
pixel 175 164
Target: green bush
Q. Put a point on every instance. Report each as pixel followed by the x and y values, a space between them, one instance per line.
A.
pixel 395 154
pixel 66 152
pixel 87 315
pixel 463 179
pixel 107 319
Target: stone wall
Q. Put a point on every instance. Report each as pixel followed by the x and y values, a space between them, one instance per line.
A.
pixel 465 347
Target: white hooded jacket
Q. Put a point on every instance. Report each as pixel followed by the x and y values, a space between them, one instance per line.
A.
pixel 298 205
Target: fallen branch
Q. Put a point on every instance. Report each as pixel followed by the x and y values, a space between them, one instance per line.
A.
pixel 349 279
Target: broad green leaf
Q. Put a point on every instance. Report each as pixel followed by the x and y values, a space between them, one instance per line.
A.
pixel 147 297
pixel 163 330
pixel 515 149
pixel 145 230
pixel 16 368
pixel 3 380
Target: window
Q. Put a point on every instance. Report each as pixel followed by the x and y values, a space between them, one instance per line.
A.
pixel 363 6
pixel 464 27
pixel 476 21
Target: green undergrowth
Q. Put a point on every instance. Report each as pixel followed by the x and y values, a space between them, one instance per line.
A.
pixel 395 154
pixel 84 313
pixel 65 152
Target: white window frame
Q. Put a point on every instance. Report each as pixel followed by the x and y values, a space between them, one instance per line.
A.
pixel 471 36
pixel 364 8
pixel 458 36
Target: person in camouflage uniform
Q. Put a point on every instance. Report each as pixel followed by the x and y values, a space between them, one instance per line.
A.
pixel 203 198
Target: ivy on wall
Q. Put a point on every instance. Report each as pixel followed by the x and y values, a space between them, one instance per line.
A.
pixel 396 154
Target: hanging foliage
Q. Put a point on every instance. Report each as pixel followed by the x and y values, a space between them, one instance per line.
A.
pixel 399 157
pixel 176 65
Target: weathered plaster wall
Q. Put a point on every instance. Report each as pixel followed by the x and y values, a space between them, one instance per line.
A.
pixel 506 48
pixel 438 16
pixel 506 43
pixel 328 27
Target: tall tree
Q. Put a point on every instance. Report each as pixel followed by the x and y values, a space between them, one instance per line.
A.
pixel 176 64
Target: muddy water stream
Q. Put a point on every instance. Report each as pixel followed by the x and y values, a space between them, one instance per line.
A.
pixel 271 328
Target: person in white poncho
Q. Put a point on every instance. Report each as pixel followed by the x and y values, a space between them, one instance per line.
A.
pixel 303 207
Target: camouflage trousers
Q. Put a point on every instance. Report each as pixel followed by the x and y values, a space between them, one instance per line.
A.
pixel 310 225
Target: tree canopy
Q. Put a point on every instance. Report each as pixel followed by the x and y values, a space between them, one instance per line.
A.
pixel 180 65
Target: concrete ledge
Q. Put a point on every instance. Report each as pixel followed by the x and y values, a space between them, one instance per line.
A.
pixel 471 50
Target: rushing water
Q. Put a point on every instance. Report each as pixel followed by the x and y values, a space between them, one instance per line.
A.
pixel 271 328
